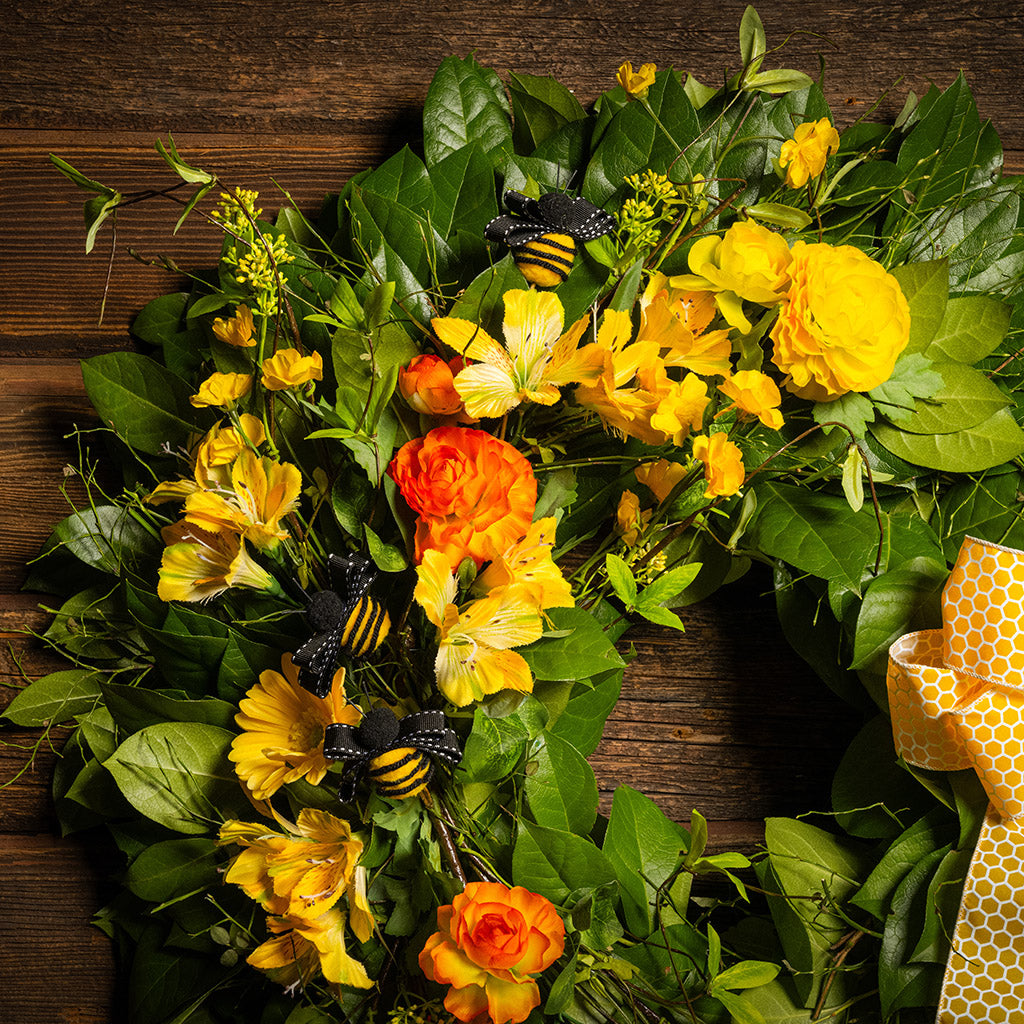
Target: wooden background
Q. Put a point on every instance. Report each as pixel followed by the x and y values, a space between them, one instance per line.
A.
pixel 727 720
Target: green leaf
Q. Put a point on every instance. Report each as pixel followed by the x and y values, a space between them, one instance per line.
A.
pixel 105 537
pixel 779 214
pixel 186 172
pixel 163 322
pixel 963 398
pixel 173 868
pixel 582 719
pixel 990 507
pixel 926 288
pixel 560 786
pixel 620 576
pixel 493 747
pixel 645 848
pixel 753 44
pixel 992 442
pixel 540 106
pixel 972 328
pixel 554 863
pixel 178 774
pixel 746 974
pixel 145 404
pixel 57 697
pixel 587 650
pixel 386 557
pixel 402 179
pixel 73 174
pixel 778 81
pixel 913 377
pixel 136 707
pixel 942 901
pixel 465 103
pixel 668 585
pixel 464 194
pixel 97 210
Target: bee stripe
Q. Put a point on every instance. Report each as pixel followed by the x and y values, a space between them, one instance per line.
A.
pixel 366 627
pixel 401 772
pixel 546 253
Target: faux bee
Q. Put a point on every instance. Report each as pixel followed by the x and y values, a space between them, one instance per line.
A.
pixel 542 233
pixel 348 619
pixel 396 755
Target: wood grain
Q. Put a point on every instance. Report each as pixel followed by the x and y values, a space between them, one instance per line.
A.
pixel 725 718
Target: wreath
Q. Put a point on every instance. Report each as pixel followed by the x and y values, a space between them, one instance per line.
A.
pixel 394 482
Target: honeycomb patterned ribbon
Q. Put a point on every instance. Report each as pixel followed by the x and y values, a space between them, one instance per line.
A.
pixel 956 696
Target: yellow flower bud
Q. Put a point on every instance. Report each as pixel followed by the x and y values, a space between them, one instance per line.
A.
pixel 636 83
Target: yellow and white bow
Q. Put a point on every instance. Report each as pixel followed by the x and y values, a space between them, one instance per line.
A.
pixel 956 697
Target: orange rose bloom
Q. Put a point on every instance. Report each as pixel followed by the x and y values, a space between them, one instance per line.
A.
pixel 426 384
pixel 473 493
pixel 491 941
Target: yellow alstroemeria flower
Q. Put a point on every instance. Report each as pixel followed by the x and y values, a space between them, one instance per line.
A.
pixel 303 872
pixel 236 330
pixel 222 389
pixel 283 726
pixel 263 493
pixel 197 565
pixel 723 464
pixel 288 369
pixel 636 83
pixel 538 359
pixel 474 656
pixel 660 477
pixel 803 156
pixel 528 566
pixel 299 947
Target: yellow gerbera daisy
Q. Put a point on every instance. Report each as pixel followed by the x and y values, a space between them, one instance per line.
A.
pixel 283 730
pixel 535 361
pixel 474 656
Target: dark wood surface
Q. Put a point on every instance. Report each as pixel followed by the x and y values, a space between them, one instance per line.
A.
pixel 725 719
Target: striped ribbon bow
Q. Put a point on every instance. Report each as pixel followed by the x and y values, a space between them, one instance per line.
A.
pixel 956 696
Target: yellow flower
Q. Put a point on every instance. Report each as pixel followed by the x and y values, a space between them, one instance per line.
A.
pixel 675 320
pixel 474 656
pixel 535 361
pixel 723 464
pixel 804 155
pixel 222 389
pixel 748 262
pixel 283 730
pixel 528 565
pixel 263 493
pixel 629 520
pixel 302 873
pixel 844 324
pixel 287 369
pixel 636 83
pixel 682 408
pixel 660 477
pixel 298 947
pixel 222 445
pixel 237 330
pixel 755 394
pixel 197 565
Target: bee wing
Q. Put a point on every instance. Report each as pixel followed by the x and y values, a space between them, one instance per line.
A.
pixel 428 731
pixel 522 205
pixel 340 743
pixel 317 659
pixel 577 217
pixel 515 232
pixel 352 575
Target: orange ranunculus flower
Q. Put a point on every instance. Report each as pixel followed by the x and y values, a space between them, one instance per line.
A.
pixel 426 384
pixel 755 394
pixel 723 464
pixel 844 323
pixel 636 83
pixel 804 155
pixel 473 493
pixel 491 940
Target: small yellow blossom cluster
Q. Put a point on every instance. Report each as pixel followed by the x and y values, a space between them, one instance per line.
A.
pixel 655 203
pixel 235 496
pixel 237 212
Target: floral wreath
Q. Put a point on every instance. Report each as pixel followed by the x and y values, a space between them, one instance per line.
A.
pixel 396 480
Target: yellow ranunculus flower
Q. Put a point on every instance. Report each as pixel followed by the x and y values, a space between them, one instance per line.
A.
pixel 723 464
pixel 288 369
pixel 843 325
pixel 636 83
pixel 236 330
pixel 754 394
pixel 803 156
pixel 660 477
pixel 748 262
pixel 222 389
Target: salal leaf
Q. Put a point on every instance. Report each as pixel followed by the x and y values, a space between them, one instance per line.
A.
pixel 57 697
pixel 925 285
pixel 560 786
pixel 540 106
pixel 972 328
pixel 465 103
pixel 553 862
pixel 963 398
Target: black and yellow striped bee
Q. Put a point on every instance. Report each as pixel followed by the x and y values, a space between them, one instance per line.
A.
pixel 347 619
pixel 542 233
pixel 395 755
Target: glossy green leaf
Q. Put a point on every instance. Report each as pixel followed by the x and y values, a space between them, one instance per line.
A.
pixel 105 537
pixel 493 747
pixel 554 863
pixel 581 721
pixel 464 195
pixel 926 288
pixel 173 868
pixel 560 787
pixel 56 697
pixel 973 327
pixel 585 651
pixel 965 398
pixel 540 106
